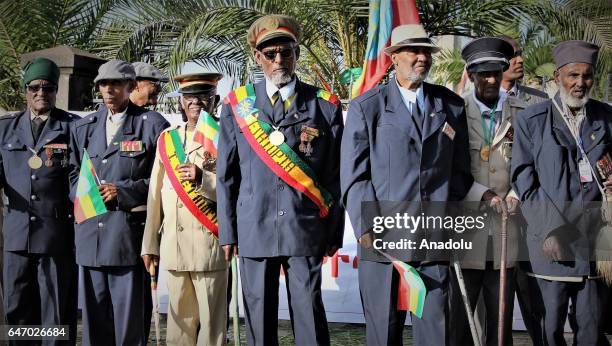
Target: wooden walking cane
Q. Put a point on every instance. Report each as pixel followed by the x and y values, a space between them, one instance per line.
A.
pixel 466 303
pixel 502 281
pixel 155 301
pixel 235 315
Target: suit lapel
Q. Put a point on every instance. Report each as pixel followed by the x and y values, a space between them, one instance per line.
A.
pixel 52 130
pixel 433 113
pixel 592 131
pixel 262 102
pixel 474 116
pixel 506 122
pixel 395 107
pixel 97 139
pixel 123 133
pixel 298 111
pixel 562 132
pixel 25 129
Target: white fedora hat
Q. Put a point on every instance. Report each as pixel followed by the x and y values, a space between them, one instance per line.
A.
pixel 410 35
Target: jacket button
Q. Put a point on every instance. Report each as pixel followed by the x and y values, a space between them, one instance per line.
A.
pixel 492 170
pixel 32 218
pixel 33 197
pixel 33 177
pixel 180 228
pixel 281 213
pixel 281 187
pixel 100 224
pixel 180 205
pixel 104 161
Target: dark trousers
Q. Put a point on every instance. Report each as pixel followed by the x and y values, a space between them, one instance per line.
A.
pixel 112 299
pixel 378 284
pixel 40 290
pixel 259 279
pixel 485 282
pixel 551 300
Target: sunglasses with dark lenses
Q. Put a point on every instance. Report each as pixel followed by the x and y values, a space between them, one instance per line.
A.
pixel 284 53
pixel 198 97
pixel 48 88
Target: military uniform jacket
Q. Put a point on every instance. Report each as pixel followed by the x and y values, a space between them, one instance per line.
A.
pixel 186 245
pixel 259 211
pixel 545 176
pixel 39 218
pixel 385 157
pixel 493 175
pixel 531 96
pixel 115 238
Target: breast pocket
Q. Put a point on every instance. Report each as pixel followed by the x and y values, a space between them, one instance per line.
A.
pixel 14 152
pixel 135 160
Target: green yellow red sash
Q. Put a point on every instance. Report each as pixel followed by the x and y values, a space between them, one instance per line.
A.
pixel 172 155
pixel 281 159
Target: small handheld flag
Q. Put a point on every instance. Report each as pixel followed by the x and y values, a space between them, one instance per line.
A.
pixel 207 133
pixel 411 291
pixel 88 202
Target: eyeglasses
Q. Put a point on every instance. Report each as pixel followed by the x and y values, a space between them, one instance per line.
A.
pixel 198 97
pixel 47 88
pixel 284 53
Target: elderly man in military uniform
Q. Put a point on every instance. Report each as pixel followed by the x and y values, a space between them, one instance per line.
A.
pixel 39 268
pixel 560 145
pixel 149 81
pixel 513 76
pixel 120 139
pixel 278 186
pixel 177 232
pixel 490 114
pixel 405 140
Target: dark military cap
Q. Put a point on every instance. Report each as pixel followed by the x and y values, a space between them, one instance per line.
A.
pixel 41 68
pixel 575 51
pixel 487 54
pixel 148 71
pixel 197 83
pixel 273 26
pixel 115 69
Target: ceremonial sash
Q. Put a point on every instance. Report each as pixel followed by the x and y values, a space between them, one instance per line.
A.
pixel 281 159
pixel 172 155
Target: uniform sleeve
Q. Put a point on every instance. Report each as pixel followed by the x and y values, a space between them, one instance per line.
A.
pixel 228 178
pixel 155 213
pixel 355 176
pixel 331 180
pixel 537 208
pixel 133 192
pixel 461 178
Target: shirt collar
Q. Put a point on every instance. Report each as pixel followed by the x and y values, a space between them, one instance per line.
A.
pixel 514 89
pixel 117 117
pixel 484 108
pixel 286 91
pixel 410 97
pixel 43 116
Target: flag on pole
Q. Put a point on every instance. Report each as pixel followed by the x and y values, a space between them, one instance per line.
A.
pixel 88 202
pixel 384 16
pixel 411 292
pixel 207 133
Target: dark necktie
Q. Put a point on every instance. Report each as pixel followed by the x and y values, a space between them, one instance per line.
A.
pixel 279 109
pixel 37 127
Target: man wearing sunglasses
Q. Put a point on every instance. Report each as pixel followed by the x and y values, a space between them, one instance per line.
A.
pixel 278 186
pixel 149 81
pixel 40 277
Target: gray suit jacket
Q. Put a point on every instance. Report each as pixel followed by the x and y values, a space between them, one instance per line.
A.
pixel 531 96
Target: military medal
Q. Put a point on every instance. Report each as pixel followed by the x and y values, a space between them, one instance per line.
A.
pixel 277 137
pixel 48 161
pixel 306 137
pixel 35 162
pixel 484 153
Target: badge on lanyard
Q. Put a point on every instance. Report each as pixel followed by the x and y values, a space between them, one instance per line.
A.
pixel 586 175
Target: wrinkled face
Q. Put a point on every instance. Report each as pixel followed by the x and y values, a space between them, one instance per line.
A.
pixel 115 93
pixel 41 95
pixel 412 63
pixel 486 84
pixel 278 61
pixel 192 104
pixel 146 92
pixel 575 81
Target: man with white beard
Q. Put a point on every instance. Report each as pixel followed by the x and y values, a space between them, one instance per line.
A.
pixel 558 146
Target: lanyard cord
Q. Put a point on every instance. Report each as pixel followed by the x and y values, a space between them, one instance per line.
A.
pixel 489 135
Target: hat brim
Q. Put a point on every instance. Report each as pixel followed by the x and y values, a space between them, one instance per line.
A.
pixel 275 35
pixel 196 89
pixel 488 67
pixel 433 47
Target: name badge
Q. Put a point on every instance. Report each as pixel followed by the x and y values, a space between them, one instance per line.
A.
pixel 585 172
pixel 131 146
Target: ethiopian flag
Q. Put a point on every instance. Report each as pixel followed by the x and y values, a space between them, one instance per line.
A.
pixel 207 133
pixel 384 16
pixel 88 202
pixel 411 292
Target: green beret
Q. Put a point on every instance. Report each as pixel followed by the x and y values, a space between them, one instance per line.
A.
pixel 41 68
